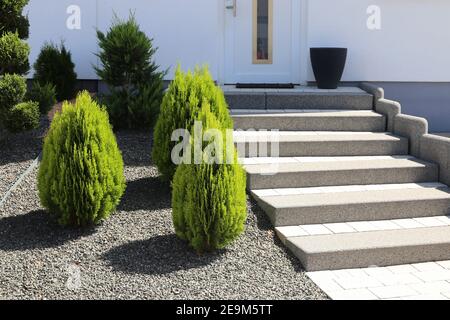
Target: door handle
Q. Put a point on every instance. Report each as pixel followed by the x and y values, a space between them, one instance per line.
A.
pixel 232 5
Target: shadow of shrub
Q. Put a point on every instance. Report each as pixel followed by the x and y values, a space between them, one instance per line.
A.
pixel 157 256
pixel 35 230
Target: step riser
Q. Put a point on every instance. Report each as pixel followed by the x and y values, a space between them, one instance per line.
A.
pixel 342 178
pixel 331 148
pixel 356 212
pixel 307 101
pixel 380 257
pixel 311 123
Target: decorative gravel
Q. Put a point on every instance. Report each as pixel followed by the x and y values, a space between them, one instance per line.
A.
pixel 135 254
pixel 17 153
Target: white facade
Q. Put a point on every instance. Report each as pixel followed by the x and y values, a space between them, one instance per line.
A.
pixel 407 40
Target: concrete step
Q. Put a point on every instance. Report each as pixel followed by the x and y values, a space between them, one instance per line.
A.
pixel 305 120
pixel 374 248
pixel 288 207
pixel 351 98
pixel 297 172
pixel 318 143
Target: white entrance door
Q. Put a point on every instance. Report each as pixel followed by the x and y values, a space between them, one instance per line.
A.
pixel 262 41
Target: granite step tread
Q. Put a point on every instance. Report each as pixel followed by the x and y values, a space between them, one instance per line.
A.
pixel 375 248
pixel 300 172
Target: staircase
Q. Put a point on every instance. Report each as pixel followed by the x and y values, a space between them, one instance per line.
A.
pixel 341 192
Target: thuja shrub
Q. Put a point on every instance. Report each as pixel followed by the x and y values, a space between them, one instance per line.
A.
pixel 22 117
pixel 209 199
pixel 179 109
pixel 13 54
pixel 133 78
pixel 44 95
pixel 12 18
pixel 81 177
pixel 54 65
pixel 12 91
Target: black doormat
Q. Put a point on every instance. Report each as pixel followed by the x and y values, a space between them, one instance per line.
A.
pixel 265 86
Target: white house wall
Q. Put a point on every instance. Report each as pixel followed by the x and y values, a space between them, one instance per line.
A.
pixel 185 31
pixel 412 45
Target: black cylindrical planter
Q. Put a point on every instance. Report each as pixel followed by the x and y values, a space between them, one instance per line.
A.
pixel 328 66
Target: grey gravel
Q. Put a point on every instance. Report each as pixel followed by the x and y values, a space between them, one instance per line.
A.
pixel 17 153
pixel 135 254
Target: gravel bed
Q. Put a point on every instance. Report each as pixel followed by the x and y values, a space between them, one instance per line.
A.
pixel 17 153
pixel 135 254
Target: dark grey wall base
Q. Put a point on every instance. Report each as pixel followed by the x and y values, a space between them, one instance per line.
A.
pixel 422 99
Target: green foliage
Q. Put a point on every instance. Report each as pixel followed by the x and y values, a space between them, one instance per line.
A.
pixel 12 91
pixel 81 176
pixel 22 117
pixel 180 107
pixel 208 199
pixel 44 95
pixel 12 19
pixel 13 54
pixel 54 65
pixel 13 63
pixel 133 78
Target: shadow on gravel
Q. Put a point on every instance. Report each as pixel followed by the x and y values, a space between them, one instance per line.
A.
pixel 136 147
pixel 35 230
pixel 148 193
pixel 263 223
pixel 262 220
pixel 157 256
pixel 19 148
pixel 23 146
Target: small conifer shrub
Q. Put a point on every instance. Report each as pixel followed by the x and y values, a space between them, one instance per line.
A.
pixel 12 18
pixel 14 62
pixel 209 199
pixel 180 107
pixel 54 66
pixel 134 81
pixel 12 91
pixel 13 54
pixel 81 177
pixel 23 117
pixel 44 95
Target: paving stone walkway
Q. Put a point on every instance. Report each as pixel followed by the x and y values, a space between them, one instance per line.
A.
pixel 421 281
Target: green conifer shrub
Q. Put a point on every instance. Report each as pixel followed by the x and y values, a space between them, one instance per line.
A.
pixel 12 19
pixel 13 63
pixel 13 54
pixel 81 177
pixel 12 91
pixel 127 67
pixel 209 199
pixel 179 109
pixel 54 65
pixel 22 117
pixel 44 95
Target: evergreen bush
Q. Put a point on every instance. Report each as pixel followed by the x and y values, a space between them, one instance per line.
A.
pixel 13 54
pixel 179 109
pixel 54 65
pixel 12 19
pixel 22 117
pixel 209 199
pixel 13 63
pixel 44 95
pixel 12 91
pixel 81 177
pixel 127 67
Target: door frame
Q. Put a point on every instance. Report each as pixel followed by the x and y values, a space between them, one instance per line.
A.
pixel 299 41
